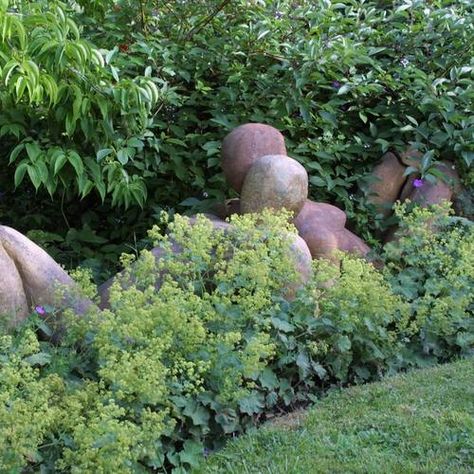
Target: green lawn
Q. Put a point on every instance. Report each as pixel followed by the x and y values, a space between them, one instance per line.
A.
pixel 421 422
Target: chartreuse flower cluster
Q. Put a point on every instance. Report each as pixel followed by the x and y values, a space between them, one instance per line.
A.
pixel 432 266
pixel 202 343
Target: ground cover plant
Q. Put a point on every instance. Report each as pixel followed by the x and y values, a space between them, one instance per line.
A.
pixel 168 373
pixel 116 103
pixel 113 110
pixel 419 422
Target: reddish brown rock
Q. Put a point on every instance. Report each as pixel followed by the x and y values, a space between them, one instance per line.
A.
pixel 322 227
pixel 30 277
pixel 318 224
pixel 328 216
pixel 408 187
pixel 383 192
pixel 349 242
pixel 322 242
pixel 244 145
pixel 444 189
pixel 274 182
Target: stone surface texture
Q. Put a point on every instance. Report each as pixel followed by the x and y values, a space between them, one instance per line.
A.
pixel 322 227
pixel 385 190
pixel 443 190
pixel 244 145
pixel 30 277
pixel 274 182
pixel 301 256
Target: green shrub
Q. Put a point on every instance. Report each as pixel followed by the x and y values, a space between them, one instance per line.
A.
pixel 343 81
pixel 148 381
pixel 166 372
pixel 431 266
pixel 336 331
pixel 203 344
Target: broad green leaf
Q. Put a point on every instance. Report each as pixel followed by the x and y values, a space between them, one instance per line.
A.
pixel 343 344
pixel 75 161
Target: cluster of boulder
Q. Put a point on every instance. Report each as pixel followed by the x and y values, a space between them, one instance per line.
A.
pixel 397 177
pixel 256 165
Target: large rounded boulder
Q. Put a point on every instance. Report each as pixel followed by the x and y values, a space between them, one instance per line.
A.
pixel 244 145
pixel 274 182
pixel 29 277
pixel 427 193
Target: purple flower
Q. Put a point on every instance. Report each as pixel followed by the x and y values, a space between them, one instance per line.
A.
pixel 336 84
pixel 40 310
pixel 418 183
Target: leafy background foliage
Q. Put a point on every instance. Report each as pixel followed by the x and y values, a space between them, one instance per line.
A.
pixel 114 110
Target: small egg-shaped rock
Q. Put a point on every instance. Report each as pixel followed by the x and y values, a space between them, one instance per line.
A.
pixel 244 145
pixel 274 182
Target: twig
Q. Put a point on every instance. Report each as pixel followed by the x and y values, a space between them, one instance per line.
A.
pixel 206 20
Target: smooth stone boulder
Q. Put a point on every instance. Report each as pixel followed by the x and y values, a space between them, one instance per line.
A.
pixel 244 145
pixel 329 216
pixel 389 180
pixel 408 187
pixel 443 190
pixel 30 277
pixel 351 243
pixel 322 227
pixel 274 182
pixel 321 242
pixel 428 194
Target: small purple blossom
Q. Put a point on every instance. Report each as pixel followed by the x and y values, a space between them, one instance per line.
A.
pixel 40 310
pixel 418 183
pixel 278 15
pixel 336 84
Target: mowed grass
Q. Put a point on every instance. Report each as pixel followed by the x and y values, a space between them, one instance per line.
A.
pixel 420 422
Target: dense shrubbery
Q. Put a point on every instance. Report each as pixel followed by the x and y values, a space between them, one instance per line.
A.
pixel 126 102
pixel 432 268
pixel 165 374
pixel 109 104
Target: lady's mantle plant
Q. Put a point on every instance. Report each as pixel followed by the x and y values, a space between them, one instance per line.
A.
pixel 203 345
